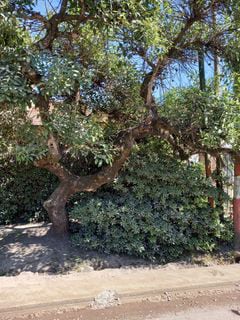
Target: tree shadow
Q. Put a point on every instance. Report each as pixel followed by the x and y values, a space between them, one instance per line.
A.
pixel 237 312
pixel 33 248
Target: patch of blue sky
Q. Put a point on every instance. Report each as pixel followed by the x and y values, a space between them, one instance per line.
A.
pixel 45 6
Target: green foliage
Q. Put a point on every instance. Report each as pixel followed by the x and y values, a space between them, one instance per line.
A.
pixel 214 118
pixel 12 36
pixel 105 61
pixel 98 65
pixel 23 191
pixel 158 208
pixel 106 83
pixel 83 136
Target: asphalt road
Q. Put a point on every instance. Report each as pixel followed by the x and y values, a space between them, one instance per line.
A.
pixel 210 304
pixel 223 313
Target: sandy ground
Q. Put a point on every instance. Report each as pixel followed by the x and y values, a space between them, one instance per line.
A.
pixel 45 278
pixel 33 248
pixel 210 304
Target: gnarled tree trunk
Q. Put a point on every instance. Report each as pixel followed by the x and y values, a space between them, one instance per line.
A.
pixel 71 184
pixel 56 208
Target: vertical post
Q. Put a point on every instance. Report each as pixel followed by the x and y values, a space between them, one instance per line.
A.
pixel 236 206
pixel 201 68
pixel 216 82
pixel 219 185
pixel 202 84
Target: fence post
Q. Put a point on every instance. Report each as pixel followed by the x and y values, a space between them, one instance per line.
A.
pixel 236 206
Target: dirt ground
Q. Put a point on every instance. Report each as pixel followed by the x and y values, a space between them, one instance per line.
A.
pixel 33 248
pixel 208 304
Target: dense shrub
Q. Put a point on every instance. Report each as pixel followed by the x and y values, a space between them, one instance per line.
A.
pixel 23 190
pixel 158 208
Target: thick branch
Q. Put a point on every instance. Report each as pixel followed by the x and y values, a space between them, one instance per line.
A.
pixel 56 168
pixel 29 15
pixel 106 174
pixel 63 8
pixel 150 127
pixel 75 17
pixel 31 75
pixel 52 31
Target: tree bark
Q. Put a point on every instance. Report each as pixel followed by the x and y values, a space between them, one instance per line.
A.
pixel 56 208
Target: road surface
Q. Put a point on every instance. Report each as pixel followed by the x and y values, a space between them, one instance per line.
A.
pixel 125 294
pixel 210 304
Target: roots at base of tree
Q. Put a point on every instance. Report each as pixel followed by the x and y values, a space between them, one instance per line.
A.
pixel 237 256
pixel 59 220
pixel 59 231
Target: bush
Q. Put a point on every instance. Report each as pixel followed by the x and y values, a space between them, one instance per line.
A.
pixel 23 191
pixel 158 208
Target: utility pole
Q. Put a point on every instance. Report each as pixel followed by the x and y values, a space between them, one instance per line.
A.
pixel 202 84
pixel 201 68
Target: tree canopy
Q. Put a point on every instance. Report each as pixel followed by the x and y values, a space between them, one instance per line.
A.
pixel 80 80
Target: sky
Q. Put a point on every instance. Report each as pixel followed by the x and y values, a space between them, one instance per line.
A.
pixel 42 5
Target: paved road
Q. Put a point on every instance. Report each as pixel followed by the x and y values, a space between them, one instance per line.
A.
pixel 223 313
pixel 209 304
pixel 30 289
pixel 185 294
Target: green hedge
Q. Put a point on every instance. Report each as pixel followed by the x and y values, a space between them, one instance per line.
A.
pixel 23 191
pixel 158 208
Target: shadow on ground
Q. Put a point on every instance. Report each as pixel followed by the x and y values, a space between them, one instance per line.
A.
pixel 33 248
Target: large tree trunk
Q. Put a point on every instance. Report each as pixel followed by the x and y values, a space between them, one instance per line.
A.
pixel 71 184
pixel 55 207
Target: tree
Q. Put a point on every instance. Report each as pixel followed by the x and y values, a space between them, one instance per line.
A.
pixel 88 71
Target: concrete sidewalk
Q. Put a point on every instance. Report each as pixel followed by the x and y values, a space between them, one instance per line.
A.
pixel 31 290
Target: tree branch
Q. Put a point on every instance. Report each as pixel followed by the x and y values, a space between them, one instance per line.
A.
pixel 29 15
pixel 74 17
pixel 56 168
pixel 147 85
pixel 63 8
pixel 150 127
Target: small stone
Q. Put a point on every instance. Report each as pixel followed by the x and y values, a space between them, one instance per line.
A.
pixel 105 299
pixel 167 295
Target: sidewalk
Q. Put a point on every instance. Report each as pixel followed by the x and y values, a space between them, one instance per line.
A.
pixel 30 290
